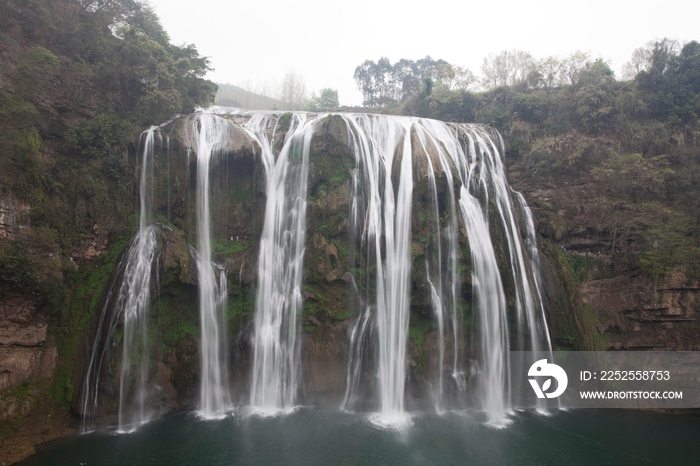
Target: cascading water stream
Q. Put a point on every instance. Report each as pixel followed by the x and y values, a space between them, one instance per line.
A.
pixel 129 297
pixel 135 293
pixel 209 134
pixel 381 147
pixel 444 296
pixel 275 371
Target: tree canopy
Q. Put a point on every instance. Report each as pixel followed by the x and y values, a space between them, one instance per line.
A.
pixel 382 83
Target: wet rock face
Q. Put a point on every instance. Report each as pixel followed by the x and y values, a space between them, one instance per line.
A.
pixel 323 359
pixel 635 312
pixel 594 241
pixel 14 216
pixel 24 353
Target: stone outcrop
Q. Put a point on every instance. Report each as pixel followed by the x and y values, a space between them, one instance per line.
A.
pixel 25 355
pixel 14 217
pixel 635 312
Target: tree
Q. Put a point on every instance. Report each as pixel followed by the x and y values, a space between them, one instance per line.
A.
pixel 550 71
pixel 328 99
pixel 292 91
pixel 452 78
pixel 366 80
pixel 594 97
pixel 383 84
pixel 671 82
pixel 639 62
pixel 572 66
pixel 508 68
pixel 147 78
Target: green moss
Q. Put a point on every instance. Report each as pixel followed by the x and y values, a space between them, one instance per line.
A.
pixel 310 308
pixel 319 304
pixel 284 121
pixel 417 330
pixel 118 334
pixel 424 239
pixel 597 340
pixel 316 304
pixel 240 305
pixel 580 266
pixel 227 247
pixel 569 277
pixel 340 315
pixel 342 250
pixel 27 141
pixel 341 174
pixel 328 226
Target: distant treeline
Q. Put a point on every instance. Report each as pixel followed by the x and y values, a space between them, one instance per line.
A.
pixel 230 95
pixel 291 94
pixel 663 83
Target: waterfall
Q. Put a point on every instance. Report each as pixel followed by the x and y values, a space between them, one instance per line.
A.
pixel 129 298
pixel 209 134
pixel 457 171
pixel 275 371
pixel 472 156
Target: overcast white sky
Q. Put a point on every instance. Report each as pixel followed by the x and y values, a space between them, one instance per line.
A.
pixel 324 41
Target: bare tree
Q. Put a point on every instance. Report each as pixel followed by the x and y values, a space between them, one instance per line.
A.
pixel 452 78
pixel 572 66
pixel 654 54
pixel 292 91
pixel 550 69
pixel 640 60
pixel 507 68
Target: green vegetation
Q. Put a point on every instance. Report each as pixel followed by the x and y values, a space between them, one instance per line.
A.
pixel 319 304
pixel 227 247
pixel 580 266
pixel 176 317
pixel 417 330
pixel 81 91
pixel 326 100
pixel 240 305
pixel 87 285
pixel 18 267
pixel 597 341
